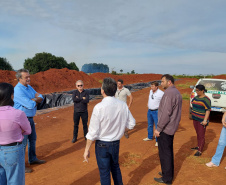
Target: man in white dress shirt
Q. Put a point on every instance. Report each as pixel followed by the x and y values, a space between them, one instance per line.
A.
pixel 155 97
pixel 109 120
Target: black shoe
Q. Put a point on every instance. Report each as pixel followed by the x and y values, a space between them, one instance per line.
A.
pixel 159 180
pixel 74 140
pixel 28 170
pixel 195 148
pixel 37 161
pixel 160 173
pixel 198 153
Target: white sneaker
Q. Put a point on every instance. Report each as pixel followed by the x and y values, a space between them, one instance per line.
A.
pixel 156 144
pixel 147 139
pixel 211 164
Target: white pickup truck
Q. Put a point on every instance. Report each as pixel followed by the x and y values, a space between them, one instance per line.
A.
pixel 216 91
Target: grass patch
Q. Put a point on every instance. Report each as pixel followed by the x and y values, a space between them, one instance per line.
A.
pixel 200 160
pixel 185 96
pixel 130 159
pixel 194 76
pixel 187 85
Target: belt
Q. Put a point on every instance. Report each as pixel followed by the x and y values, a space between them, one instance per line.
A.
pixel 153 109
pixel 12 144
pixel 29 117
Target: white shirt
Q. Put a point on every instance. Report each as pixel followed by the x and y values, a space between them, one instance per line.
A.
pixel 122 94
pixel 109 119
pixel 154 99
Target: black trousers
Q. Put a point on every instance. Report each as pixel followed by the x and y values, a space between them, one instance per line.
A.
pixel 84 116
pixel 165 145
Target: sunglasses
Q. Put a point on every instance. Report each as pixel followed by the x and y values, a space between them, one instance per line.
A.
pixel 152 97
pixel 79 85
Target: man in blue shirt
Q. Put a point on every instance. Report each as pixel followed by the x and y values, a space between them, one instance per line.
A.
pixel 26 99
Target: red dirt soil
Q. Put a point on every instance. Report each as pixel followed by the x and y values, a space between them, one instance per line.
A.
pixel 58 80
pixel 128 79
pixel 139 160
pixel 220 77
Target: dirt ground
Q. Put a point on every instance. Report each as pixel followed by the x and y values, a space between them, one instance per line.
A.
pixel 139 160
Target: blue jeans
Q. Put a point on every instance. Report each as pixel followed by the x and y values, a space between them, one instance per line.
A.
pixel 12 169
pixel 152 118
pixel 220 148
pixel 31 142
pixel 107 155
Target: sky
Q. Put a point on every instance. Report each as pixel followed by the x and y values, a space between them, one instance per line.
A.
pixel 147 36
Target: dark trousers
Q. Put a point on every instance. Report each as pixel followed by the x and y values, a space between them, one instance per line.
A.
pixel 84 116
pixel 31 139
pixel 107 155
pixel 165 145
pixel 200 131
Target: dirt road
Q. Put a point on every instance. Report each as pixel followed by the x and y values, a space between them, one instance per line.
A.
pixel 139 160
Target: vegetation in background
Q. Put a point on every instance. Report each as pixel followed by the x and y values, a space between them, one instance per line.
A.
pixel 94 68
pixel 186 85
pixel 5 65
pixel 194 76
pixel 185 96
pixel 44 61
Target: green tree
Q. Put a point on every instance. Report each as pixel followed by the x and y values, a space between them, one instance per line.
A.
pixel 44 61
pixel 132 72
pixel 114 72
pixel 72 66
pixel 5 65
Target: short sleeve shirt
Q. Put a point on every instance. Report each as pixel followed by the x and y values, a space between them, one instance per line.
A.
pixel 122 94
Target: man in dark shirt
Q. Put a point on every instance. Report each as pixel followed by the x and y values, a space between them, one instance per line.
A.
pixel 80 98
pixel 169 115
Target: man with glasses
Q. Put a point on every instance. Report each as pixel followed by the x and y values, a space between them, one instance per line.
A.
pixel 80 98
pixel 155 97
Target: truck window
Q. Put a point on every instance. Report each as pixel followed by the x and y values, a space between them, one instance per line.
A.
pixel 211 85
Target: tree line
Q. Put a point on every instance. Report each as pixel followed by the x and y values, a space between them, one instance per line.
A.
pixel 40 62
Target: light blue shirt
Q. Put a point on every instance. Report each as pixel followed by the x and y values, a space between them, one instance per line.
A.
pixel 22 99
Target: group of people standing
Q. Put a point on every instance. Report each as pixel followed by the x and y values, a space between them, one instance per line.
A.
pixel 18 106
pixel 110 120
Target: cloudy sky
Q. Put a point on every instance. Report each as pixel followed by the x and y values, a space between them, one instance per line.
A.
pixel 148 36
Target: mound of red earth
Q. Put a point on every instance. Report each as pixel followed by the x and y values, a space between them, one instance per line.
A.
pixel 8 77
pixel 128 79
pixel 52 80
pixel 220 77
pixel 58 80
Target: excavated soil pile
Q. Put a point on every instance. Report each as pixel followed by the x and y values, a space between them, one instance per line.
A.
pixel 58 80
pixel 8 76
pixel 220 77
pixel 53 80
pixel 128 79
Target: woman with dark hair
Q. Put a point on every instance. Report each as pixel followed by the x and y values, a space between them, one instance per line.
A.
pixel 201 106
pixel 13 125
